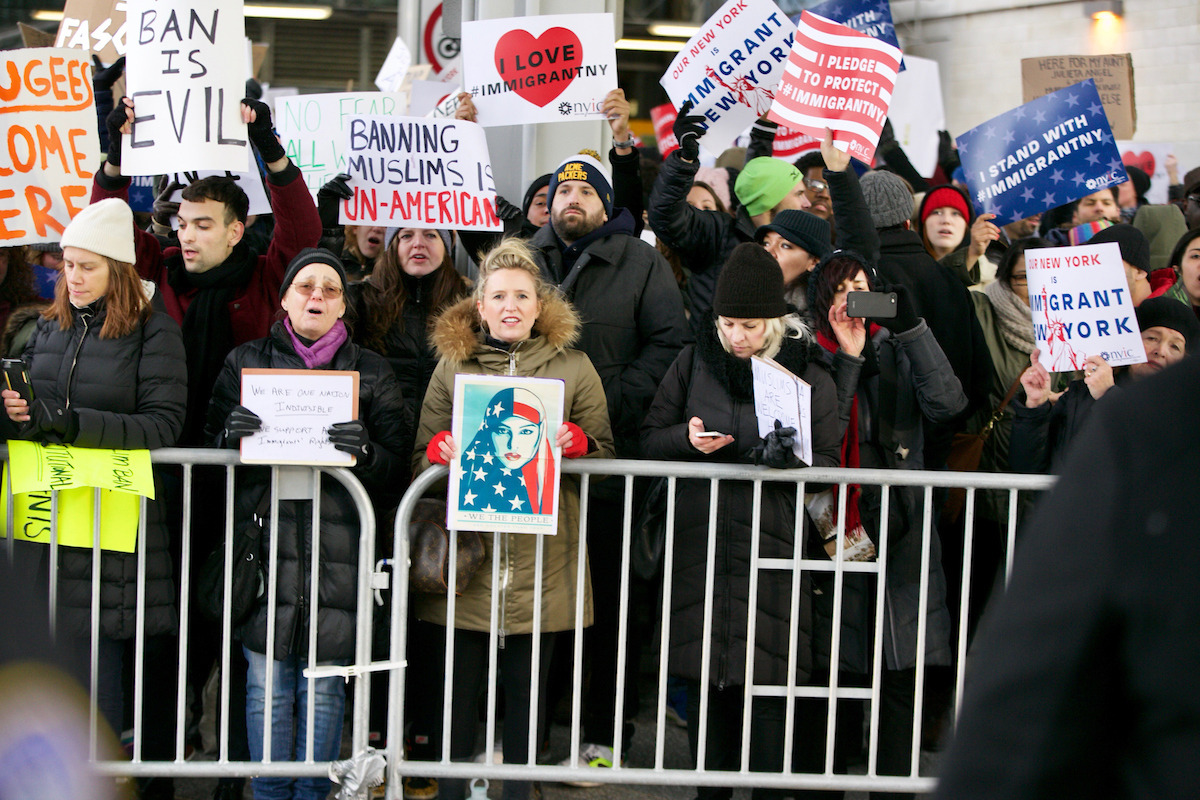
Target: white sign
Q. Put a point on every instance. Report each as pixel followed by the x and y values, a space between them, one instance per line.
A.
pixel 313 128
pixel 447 107
pixel 780 395
pixel 391 74
pixel 1081 307
pixel 425 173
pixel 730 68
pixel 250 182
pixel 96 25
pixel 425 96
pixel 296 407
pixel 49 122
pixel 1151 158
pixel 917 113
pixel 186 73
pixel 451 72
pixel 539 69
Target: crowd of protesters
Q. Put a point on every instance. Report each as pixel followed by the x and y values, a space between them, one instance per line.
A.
pixel 646 286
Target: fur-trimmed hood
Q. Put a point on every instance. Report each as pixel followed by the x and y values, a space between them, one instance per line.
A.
pixel 458 331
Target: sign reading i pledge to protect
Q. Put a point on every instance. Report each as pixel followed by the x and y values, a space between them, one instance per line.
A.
pixel 428 173
pixel 837 78
pixel 1081 307
pixel 296 407
pixel 730 68
pixel 186 73
pixel 539 69
pixel 49 121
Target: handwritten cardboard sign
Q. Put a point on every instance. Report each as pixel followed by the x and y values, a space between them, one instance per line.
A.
pixel 1081 307
pixel 837 78
pixel 506 475
pixel 1043 154
pixel 119 515
pixel 48 116
pixel 780 395
pixel 729 70
pixel 391 74
pixel 427 173
pixel 55 466
pixel 296 407
pixel 313 128
pixel 1113 74
pixel 539 69
pixel 97 26
pixel 186 71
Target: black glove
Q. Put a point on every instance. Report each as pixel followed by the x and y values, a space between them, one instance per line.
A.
pixel 49 419
pixel 688 130
pixel 506 210
pixel 350 437
pixel 113 122
pixel 241 422
pixel 887 137
pixel 262 136
pixel 330 195
pixel 947 156
pixel 775 450
pixel 163 209
pixel 906 314
pixel 104 77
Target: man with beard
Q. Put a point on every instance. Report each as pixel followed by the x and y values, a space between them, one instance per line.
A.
pixel 633 327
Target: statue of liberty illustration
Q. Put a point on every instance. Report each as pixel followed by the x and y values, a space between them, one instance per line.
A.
pixel 745 91
pixel 1063 357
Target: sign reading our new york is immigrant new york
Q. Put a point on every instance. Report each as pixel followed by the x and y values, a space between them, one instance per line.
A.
pixel 1042 154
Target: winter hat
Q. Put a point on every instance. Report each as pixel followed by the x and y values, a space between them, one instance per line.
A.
pixel 447 238
pixel 800 228
pixel 311 255
pixel 890 201
pixel 46 247
pixel 814 274
pixel 1134 247
pixel 764 182
pixel 581 167
pixel 104 228
pixel 1080 234
pixel 944 196
pixel 1167 312
pixel 718 179
pixel 1141 181
pixel 750 285
pixel 538 183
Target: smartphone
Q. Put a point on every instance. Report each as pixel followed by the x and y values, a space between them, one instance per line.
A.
pixel 873 305
pixel 16 377
pixel 710 434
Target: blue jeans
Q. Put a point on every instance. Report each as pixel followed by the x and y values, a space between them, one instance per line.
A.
pixel 289 721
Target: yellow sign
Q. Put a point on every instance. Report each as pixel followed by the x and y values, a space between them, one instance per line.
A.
pixel 41 467
pixel 76 523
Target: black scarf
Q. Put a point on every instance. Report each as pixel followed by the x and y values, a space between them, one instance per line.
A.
pixel 207 330
pixel 735 374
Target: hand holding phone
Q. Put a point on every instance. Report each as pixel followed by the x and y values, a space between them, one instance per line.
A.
pixel 18 391
pixel 872 305
pixel 709 434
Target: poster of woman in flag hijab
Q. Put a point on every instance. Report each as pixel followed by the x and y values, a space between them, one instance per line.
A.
pixel 506 478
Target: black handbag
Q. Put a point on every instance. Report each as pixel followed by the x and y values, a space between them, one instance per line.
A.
pixel 649 533
pixel 249 576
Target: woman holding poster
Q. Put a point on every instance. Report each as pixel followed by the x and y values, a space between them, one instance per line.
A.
pixel 312 336
pixel 704 411
pixel 515 324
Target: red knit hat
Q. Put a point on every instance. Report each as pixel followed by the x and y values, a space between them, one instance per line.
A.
pixel 941 197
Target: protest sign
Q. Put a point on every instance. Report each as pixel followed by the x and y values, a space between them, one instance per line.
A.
pixel 790 144
pixel 250 181
pixel 1150 158
pixel 313 128
pixel 429 173
pixel 186 74
pixel 872 17
pixel 141 193
pixel 97 26
pixel 780 395
pixel 730 68
pixel 119 514
pixel 450 72
pixel 426 96
pixel 391 74
pixel 49 117
pixel 42 467
pixel 539 69
pixel 1079 297
pixel 1043 154
pixel 505 477
pixel 1113 74
pixel 663 118
pixel 35 37
pixel 917 113
pixel 296 407
pixel 837 78
pixel 447 107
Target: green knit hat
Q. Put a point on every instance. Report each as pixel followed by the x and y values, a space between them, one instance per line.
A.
pixel 764 182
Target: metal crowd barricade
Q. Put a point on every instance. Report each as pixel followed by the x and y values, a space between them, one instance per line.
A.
pixel 656 773
pixel 286 483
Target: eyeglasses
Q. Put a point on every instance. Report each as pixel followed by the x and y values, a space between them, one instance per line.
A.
pixel 1195 198
pixel 328 292
pixel 815 185
pixel 1015 278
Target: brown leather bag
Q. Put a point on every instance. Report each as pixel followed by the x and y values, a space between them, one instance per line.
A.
pixel 966 451
pixel 429 550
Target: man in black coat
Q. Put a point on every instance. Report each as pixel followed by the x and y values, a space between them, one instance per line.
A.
pixel 1075 688
pixel 633 328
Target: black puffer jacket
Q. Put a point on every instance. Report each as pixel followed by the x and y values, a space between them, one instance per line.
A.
pixel 709 383
pixel 384 473
pixel 129 393
pixel 702 239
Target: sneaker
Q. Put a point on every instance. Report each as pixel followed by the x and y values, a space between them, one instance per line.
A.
pixel 496 757
pixel 596 756
pixel 420 788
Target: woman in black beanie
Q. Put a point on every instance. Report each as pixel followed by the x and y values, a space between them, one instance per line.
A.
pixel 707 391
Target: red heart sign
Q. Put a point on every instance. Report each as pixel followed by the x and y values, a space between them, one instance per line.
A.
pixel 540 68
pixel 1143 160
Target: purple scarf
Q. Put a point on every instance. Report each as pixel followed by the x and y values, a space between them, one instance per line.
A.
pixel 323 350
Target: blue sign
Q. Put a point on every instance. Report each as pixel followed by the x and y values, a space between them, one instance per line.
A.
pixel 1043 154
pixel 141 193
pixel 872 17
